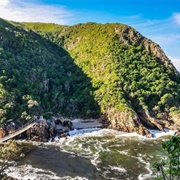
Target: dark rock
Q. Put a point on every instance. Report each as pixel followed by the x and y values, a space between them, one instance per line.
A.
pixel 44 131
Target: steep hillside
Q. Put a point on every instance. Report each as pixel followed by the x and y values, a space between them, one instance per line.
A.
pixel 38 77
pixel 135 84
pixel 88 70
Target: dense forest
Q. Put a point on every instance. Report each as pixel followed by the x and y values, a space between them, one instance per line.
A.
pixel 107 71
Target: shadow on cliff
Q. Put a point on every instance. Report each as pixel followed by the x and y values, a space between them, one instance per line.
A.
pixel 75 98
pixel 47 73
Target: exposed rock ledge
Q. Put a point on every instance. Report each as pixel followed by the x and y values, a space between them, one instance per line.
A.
pixel 85 124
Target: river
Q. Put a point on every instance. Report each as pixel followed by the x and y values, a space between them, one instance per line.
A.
pixel 93 154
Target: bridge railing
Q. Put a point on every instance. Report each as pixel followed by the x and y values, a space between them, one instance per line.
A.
pixel 28 123
pixel 24 125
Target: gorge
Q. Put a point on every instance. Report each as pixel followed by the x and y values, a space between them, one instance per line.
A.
pixel 106 71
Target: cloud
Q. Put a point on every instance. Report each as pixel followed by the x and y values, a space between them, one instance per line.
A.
pixel 176 62
pixel 165 39
pixel 23 11
pixel 176 17
pixel 4 2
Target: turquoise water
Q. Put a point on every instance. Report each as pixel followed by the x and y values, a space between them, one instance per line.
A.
pixel 101 154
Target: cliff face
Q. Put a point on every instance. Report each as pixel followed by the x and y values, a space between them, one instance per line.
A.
pixel 107 70
pixel 131 37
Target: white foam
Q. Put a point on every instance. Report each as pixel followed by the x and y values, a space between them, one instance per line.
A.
pixel 145 176
pixel 99 132
pixel 27 172
pixel 119 169
pixel 82 131
pixel 125 152
pixel 158 134
pixel 134 134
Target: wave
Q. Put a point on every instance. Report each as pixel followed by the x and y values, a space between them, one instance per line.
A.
pixel 110 132
pixel 27 172
pixel 158 134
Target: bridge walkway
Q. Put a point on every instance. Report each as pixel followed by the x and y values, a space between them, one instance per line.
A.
pixel 17 132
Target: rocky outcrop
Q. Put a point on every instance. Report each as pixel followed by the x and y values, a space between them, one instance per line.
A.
pixel 175 117
pixel 130 36
pixel 44 131
pixel 53 129
pixel 2 133
pixel 124 121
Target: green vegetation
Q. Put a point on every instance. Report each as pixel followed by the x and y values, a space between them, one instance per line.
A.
pixel 169 167
pixel 37 76
pixel 87 70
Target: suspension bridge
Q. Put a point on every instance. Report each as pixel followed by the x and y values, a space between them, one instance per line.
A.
pixel 18 131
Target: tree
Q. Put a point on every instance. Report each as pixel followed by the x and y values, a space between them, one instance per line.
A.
pixel 169 167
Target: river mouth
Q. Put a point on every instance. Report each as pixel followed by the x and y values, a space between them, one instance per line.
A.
pixel 101 154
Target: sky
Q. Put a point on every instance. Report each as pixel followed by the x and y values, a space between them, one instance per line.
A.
pixel 158 20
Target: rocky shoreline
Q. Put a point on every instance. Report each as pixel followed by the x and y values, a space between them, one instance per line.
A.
pixel 44 130
pixel 50 130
